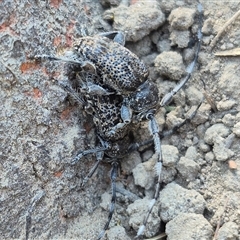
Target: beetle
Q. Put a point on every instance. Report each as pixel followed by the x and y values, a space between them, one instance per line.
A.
pixel 113 86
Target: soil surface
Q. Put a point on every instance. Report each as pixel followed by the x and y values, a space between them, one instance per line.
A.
pixel 42 128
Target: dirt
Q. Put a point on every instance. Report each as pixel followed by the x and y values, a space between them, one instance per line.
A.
pixel 42 128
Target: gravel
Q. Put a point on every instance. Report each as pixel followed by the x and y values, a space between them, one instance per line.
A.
pixel 42 129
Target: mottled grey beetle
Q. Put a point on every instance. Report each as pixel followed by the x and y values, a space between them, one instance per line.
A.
pixel 113 86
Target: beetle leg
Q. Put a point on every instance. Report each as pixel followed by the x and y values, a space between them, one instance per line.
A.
pixel 154 129
pixel 136 146
pixel 94 89
pixel 126 112
pixel 45 57
pixel 70 57
pixel 72 93
pixel 168 97
pixel 99 156
pixel 116 36
pixel 81 154
pixel 114 172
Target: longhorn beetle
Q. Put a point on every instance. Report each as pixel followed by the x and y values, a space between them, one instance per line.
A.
pixel 112 85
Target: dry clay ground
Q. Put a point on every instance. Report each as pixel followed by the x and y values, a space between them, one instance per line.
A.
pixel 42 128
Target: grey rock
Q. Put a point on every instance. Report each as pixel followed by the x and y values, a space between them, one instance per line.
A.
pixel 106 200
pixel 163 45
pixel 130 162
pixel 134 21
pixel 117 233
pixel 169 5
pixel 215 67
pixel 226 105
pixel 228 83
pixel 228 231
pixel 143 173
pixel 170 155
pixel 236 129
pixel 188 168
pixel 175 199
pixel 229 120
pixel 208 26
pixel 142 47
pixel 192 153
pixel 221 151
pixel 174 117
pixel 196 227
pixel 170 64
pixel 179 38
pixel 202 114
pixel 182 18
pixel 203 146
pixel 214 131
pixel 138 211
pixel 209 157
pixel 194 95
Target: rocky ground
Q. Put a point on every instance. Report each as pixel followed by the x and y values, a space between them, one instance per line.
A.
pixel 42 128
